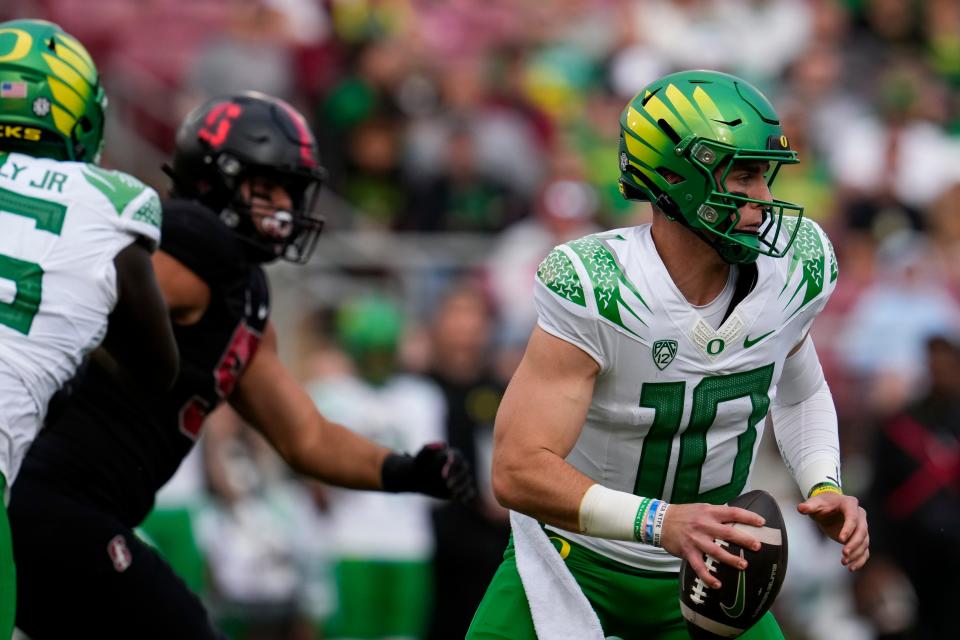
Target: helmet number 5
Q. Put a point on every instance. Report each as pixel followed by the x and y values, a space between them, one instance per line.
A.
pixel 217 124
pixel 18 310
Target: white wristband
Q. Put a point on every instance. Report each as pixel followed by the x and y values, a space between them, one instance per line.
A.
pixel 658 524
pixel 605 513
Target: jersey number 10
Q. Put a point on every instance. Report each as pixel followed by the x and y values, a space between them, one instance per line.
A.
pixel 27 276
pixel 666 399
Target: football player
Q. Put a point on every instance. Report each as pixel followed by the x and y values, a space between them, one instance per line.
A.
pixel 637 409
pixel 380 544
pixel 245 179
pixel 75 245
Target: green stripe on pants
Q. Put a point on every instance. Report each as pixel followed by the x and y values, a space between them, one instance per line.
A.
pixel 632 604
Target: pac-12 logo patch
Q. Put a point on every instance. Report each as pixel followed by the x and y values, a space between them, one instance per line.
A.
pixel 664 351
pixel 119 554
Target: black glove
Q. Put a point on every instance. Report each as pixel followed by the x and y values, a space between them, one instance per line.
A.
pixel 437 470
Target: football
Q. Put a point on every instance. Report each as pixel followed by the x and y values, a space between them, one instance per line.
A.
pixel 744 596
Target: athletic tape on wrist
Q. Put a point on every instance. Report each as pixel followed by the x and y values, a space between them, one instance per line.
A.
pixel 615 515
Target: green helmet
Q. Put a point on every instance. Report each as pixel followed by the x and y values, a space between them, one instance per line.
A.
pixel 369 329
pixel 692 124
pixel 51 101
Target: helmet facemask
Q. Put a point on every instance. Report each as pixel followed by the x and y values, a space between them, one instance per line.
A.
pixel 289 233
pixel 720 213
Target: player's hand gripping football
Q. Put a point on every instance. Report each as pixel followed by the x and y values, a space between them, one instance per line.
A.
pixel 689 531
pixel 844 520
pixel 437 470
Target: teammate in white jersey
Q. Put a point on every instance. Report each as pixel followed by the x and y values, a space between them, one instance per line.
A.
pixel 660 349
pixel 75 245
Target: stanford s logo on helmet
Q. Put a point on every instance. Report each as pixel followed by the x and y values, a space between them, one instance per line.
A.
pixel 229 140
pixel 688 126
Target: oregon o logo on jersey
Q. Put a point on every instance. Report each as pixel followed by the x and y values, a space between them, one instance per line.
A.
pixel 715 346
pixel 664 351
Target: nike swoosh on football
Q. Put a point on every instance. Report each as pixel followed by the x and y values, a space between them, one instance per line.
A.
pixel 747 342
pixel 736 609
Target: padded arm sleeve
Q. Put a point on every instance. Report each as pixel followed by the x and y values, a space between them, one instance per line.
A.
pixel 805 421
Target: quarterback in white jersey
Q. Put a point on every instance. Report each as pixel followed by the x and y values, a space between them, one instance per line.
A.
pixel 679 403
pixel 639 404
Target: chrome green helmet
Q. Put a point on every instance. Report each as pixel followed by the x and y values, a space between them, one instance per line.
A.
pixel 679 131
pixel 51 101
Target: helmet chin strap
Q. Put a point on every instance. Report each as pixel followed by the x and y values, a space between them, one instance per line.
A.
pixel 724 248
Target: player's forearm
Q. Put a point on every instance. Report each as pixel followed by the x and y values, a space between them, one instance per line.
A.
pixel 334 454
pixel 540 484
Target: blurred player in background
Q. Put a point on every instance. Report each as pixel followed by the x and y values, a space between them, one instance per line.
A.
pixel 916 496
pixel 658 353
pixel 469 538
pixel 245 177
pixel 75 245
pixel 381 544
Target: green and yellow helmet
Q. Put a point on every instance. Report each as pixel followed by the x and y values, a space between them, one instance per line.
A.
pixel 678 132
pixel 51 101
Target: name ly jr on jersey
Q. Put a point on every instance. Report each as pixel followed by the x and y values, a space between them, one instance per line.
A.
pixel 49 181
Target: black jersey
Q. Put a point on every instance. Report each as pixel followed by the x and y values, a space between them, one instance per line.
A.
pixel 110 444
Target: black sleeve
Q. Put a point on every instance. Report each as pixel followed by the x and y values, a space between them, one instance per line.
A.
pixel 195 236
pixel 139 334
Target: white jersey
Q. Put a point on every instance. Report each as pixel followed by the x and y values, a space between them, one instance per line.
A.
pixel 404 414
pixel 678 407
pixel 61 226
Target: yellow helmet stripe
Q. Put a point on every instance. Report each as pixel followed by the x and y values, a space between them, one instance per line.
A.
pixel 684 107
pixel 660 111
pixel 66 74
pixel 706 104
pixel 640 125
pixel 62 120
pixel 67 97
pixel 641 152
pixel 73 53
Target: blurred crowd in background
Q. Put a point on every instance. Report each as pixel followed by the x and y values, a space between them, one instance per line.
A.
pixel 464 139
